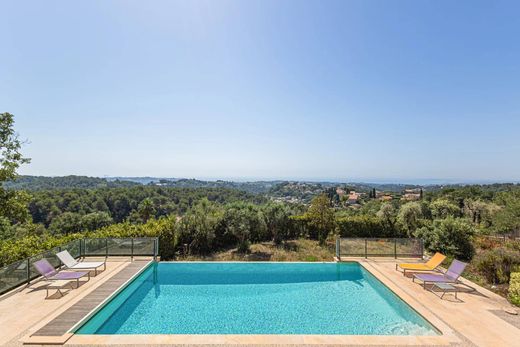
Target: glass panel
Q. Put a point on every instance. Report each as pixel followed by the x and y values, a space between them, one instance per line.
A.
pixel 410 247
pixel 144 246
pixel 120 246
pixel 352 246
pixel 95 247
pixel 73 247
pixel 380 247
pixel 49 255
pixel 13 275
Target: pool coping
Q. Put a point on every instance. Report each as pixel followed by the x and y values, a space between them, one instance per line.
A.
pixel 447 335
pixel 32 338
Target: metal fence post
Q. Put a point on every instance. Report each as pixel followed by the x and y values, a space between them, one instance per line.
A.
pixel 106 247
pixel 155 248
pixel 28 271
pixel 366 248
pixel 337 249
pixel 395 248
pixel 132 251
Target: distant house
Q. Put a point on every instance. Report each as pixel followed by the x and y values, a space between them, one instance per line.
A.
pixel 412 194
pixel 386 198
pixel 353 198
pixel 340 192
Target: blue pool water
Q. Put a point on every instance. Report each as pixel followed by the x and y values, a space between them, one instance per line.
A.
pixel 257 298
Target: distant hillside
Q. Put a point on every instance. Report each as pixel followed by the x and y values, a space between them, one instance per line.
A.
pixel 84 182
pixel 64 182
pixel 286 190
pixel 258 187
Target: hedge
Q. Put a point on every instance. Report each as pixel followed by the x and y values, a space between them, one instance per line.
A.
pixel 12 250
pixel 364 226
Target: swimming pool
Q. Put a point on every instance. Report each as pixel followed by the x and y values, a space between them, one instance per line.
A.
pixel 257 298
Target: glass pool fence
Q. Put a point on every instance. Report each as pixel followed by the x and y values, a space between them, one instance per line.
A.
pixel 379 247
pixel 22 271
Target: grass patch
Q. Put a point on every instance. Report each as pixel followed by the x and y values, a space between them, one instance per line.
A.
pixel 294 250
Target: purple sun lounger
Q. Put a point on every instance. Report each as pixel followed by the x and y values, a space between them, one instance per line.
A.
pixel 50 274
pixel 450 276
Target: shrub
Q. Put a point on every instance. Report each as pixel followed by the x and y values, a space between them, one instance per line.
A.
pixel 364 226
pixel 276 217
pixel 451 236
pixel 497 264
pixel 487 243
pixel 197 227
pixel 246 223
pixel 16 249
pixel 514 288
pixel 299 227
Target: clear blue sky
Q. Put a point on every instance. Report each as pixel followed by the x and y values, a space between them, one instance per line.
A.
pixel 350 90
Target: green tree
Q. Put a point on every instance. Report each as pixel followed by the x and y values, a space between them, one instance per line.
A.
pixel 197 227
pixel 507 219
pixel 409 217
pixel 66 223
pixel 480 212
pixel 245 222
pixel 95 220
pixel 450 236
pixel 13 204
pixel 146 209
pixel 388 215
pixel 321 218
pixel 277 221
pixel 443 208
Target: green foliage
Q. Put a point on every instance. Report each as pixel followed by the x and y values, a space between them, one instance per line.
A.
pixel 514 288
pixel 197 227
pixel 137 204
pixel 276 216
pixel 33 183
pixel 12 250
pixel 37 242
pixel 10 145
pixel 371 207
pixel 320 217
pixel 410 216
pixel 507 219
pixel 364 226
pixel 95 220
pixel 388 215
pixel 66 223
pixel 13 205
pixel 245 222
pixel 6 230
pixel 450 236
pixel 443 208
pixel 146 209
pixel 497 264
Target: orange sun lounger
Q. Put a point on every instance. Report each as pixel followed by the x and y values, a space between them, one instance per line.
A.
pixel 430 265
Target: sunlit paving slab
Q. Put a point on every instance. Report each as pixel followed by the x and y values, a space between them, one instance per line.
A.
pixel 25 310
pixel 31 319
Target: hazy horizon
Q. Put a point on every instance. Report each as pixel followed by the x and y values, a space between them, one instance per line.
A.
pixel 425 181
pixel 351 90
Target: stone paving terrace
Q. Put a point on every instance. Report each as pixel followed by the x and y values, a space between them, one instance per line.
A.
pixel 477 319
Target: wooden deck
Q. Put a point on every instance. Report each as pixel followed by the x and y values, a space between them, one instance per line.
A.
pixel 60 325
